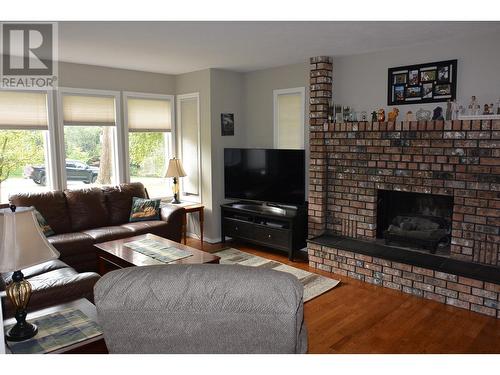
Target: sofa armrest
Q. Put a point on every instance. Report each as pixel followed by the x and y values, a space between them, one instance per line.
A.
pixel 174 216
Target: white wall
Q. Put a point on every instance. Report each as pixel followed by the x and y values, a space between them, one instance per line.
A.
pixel 360 81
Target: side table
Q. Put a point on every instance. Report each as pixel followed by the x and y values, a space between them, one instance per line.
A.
pixel 190 207
pixel 94 345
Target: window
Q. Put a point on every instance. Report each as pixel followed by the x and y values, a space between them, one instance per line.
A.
pixel 189 142
pixel 149 120
pixel 289 118
pixel 24 140
pixel 90 120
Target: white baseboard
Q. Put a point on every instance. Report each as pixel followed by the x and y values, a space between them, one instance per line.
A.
pixel 206 239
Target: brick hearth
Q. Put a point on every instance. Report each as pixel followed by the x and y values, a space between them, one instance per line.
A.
pixel 351 162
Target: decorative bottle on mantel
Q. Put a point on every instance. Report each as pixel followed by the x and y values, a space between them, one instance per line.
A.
pixel 448 110
pixel 498 106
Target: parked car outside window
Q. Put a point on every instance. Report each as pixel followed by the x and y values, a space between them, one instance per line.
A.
pixel 75 171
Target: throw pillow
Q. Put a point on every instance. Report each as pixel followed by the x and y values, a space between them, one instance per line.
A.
pixel 46 229
pixel 144 209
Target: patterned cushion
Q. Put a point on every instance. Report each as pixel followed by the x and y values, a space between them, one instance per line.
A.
pixel 144 209
pixel 44 226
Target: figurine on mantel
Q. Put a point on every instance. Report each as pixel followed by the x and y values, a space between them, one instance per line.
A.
pixel 347 113
pixel 437 114
pixel 423 115
pixel 393 115
pixel 374 116
pixel 409 116
pixel 498 106
pixel 486 110
pixel 381 115
pixel 473 106
pixel 491 109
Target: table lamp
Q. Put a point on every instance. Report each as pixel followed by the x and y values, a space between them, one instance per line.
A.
pixel 175 170
pixel 22 245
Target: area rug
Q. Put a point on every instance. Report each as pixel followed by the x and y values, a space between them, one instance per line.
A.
pixel 314 285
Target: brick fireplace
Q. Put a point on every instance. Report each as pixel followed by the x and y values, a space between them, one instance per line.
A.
pixel 352 163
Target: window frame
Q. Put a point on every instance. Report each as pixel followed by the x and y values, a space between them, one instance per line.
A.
pixel 143 95
pixel 180 98
pixel 118 151
pixel 49 135
pixel 276 93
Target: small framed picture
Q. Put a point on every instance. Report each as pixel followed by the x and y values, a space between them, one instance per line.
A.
pixel 413 92
pixel 442 90
pixel 428 76
pixel 413 77
pixel 227 123
pixel 444 74
pixel 427 90
pixel 399 78
pixel 399 93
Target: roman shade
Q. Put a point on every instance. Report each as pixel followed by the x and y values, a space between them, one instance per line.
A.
pixel 290 121
pixel 190 144
pixel 86 110
pixel 23 110
pixel 146 115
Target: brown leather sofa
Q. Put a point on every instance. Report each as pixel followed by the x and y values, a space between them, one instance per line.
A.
pixel 53 282
pixel 82 218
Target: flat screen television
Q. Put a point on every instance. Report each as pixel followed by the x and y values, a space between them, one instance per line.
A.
pixel 265 175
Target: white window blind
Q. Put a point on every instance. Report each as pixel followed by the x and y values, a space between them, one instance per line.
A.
pixel 149 115
pixel 23 110
pixel 190 145
pixel 290 121
pixel 85 110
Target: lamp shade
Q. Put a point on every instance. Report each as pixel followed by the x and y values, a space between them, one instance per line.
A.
pixel 22 242
pixel 175 168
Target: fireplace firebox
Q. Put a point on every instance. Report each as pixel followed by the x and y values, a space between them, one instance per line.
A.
pixel 421 221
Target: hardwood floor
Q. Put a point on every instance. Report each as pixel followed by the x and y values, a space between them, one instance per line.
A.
pixel 357 317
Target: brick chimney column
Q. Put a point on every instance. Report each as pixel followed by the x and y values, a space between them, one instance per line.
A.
pixel 320 94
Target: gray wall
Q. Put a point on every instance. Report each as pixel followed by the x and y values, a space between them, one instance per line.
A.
pixel 257 98
pixel 226 97
pixel 361 80
pixel 103 78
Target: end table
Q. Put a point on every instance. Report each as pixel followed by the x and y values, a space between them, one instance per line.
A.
pixel 190 207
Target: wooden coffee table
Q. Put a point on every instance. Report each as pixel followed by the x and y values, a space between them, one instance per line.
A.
pixel 114 254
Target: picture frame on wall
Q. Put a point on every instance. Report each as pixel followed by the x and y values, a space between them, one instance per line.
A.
pixel 227 124
pixel 422 83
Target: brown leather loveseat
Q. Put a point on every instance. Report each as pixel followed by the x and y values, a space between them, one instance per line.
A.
pixel 82 218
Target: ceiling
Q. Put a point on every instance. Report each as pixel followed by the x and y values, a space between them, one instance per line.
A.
pixel 181 47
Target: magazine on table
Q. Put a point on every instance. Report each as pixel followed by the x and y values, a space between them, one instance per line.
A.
pixel 158 250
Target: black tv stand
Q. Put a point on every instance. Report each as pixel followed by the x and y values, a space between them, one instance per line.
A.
pixel 281 227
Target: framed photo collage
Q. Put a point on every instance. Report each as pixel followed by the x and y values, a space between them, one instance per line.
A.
pixel 423 83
